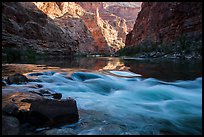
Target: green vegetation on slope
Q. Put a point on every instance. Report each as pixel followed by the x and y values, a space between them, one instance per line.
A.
pixel 181 47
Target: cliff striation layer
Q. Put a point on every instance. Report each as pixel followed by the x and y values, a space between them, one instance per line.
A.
pixel 165 22
pixel 64 28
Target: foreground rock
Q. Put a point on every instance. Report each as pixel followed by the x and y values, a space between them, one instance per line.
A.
pixel 53 112
pixel 10 125
pixel 37 110
pixel 35 106
pixel 17 79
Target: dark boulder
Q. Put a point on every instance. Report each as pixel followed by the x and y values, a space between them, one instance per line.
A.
pixel 10 125
pixel 49 112
pixel 37 86
pixel 10 109
pixel 57 95
pixel 17 79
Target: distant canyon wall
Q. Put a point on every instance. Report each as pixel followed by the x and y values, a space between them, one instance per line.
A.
pixel 66 28
pixel 164 22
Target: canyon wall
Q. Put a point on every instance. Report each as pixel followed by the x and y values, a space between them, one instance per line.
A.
pixel 67 16
pixel 25 27
pixel 120 15
pixel 164 22
pixel 66 28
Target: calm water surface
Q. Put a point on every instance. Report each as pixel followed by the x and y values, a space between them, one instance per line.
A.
pixel 124 95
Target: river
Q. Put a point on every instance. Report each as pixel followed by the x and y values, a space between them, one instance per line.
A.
pixel 126 96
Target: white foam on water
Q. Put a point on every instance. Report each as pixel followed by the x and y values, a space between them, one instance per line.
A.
pixel 124 73
pixel 170 106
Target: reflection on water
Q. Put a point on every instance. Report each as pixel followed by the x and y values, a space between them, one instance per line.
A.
pixel 164 69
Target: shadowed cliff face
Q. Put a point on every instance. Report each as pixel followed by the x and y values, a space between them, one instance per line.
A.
pixel 25 27
pixel 62 28
pixel 164 22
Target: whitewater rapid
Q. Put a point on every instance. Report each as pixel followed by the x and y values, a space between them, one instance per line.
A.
pixel 141 104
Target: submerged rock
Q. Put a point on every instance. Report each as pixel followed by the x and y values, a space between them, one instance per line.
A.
pixel 64 131
pixel 10 125
pixel 3 82
pixel 10 109
pixel 57 95
pixel 17 79
pixel 47 93
pixel 82 76
pixel 53 112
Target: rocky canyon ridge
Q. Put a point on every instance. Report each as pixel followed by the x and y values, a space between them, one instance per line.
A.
pixel 67 28
pixel 165 22
pixel 71 28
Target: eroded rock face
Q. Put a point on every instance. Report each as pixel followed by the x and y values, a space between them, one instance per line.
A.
pixel 24 27
pixel 119 15
pixel 10 125
pixel 164 22
pixel 65 28
pixel 89 29
pixel 115 12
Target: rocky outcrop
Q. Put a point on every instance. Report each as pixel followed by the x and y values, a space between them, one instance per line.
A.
pixel 35 105
pixel 90 31
pixel 16 79
pixel 105 36
pixel 165 22
pixel 66 15
pixel 115 12
pixel 120 15
pixel 62 28
pixel 53 112
pixel 10 125
pixel 25 27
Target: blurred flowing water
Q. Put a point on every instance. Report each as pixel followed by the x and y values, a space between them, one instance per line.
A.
pixel 125 96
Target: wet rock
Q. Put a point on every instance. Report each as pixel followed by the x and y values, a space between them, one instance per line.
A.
pixel 36 86
pixel 34 80
pixel 17 79
pixel 57 96
pixel 11 99
pixel 10 109
pixel 39 86
pixel 3 83
pixel 64 131
pixel 152 54
pixel 44 91
pixel 53 112
pixel 47 93
pixel 82 76
pixel 10 125
pixel 36 74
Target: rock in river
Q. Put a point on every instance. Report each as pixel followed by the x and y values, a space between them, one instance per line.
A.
pixel 49 112
pixel 10 125
pixel 17 79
